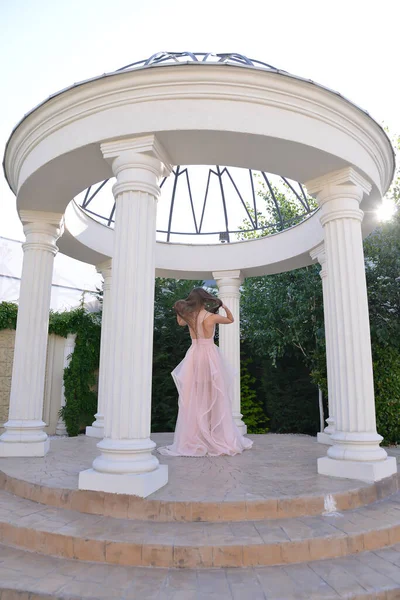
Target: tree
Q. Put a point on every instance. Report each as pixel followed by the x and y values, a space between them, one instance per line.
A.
pixel 282 209
pixel 382 267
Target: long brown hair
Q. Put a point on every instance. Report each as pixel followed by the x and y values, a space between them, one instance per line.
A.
pixel 197 300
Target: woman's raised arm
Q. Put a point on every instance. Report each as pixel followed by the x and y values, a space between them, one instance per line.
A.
pixel 223 320
pixel 181 321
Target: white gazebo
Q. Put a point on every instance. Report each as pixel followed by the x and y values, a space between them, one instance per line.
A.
pixel 136 124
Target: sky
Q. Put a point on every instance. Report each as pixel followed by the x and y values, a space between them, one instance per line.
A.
pixel 46 45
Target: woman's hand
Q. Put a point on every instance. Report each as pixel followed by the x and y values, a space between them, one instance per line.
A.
pixel 229 316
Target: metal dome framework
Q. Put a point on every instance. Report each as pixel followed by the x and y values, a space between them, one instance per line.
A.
pixel 224 177
pixel 230 58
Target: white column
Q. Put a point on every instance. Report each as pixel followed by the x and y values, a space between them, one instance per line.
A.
pixel 229 283
pixel 68 351
pixel 24 431
pixel 97 428
pixel 356 451
pixel 319 254
pixel 126 464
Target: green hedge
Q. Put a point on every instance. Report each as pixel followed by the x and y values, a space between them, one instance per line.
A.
pixel 386 361
pixel 251 405
pixel 8 315
pixel 289 396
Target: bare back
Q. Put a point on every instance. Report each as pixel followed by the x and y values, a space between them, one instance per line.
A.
pixel 206 322
pixel 205 326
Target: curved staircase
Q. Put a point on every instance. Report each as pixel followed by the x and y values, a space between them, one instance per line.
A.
pixel 60 543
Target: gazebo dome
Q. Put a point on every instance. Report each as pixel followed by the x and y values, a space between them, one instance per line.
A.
pixel 228 223
pixel 241 115
pixel 227 58
pixel 198 109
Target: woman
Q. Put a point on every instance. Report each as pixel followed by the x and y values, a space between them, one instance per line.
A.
pixel 205 425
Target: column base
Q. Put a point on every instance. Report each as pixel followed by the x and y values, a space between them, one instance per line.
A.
pixel 24 449
pixel 330 428
pixel 240 424
pixel 324 438
pixel 140 484
pixel 126 456
pixel 95 432
pixel 24 438
pixel 360 470
pixel 242 428
pixel 96 429
pixel 357 446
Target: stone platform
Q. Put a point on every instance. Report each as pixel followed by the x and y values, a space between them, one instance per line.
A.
pixel 277 478
pixel 261 525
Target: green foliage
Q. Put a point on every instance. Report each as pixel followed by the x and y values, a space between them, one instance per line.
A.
pixel 278 215
pixel 283 314
pixel 387 392
pixel 290 397
pixel 8 315
pixel 382 266
pixel 393 193
pixel 80 375
pixel 251 407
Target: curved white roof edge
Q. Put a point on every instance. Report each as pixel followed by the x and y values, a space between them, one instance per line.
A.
pixel 90 241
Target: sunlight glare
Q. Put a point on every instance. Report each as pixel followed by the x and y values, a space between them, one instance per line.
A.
pixel 386 210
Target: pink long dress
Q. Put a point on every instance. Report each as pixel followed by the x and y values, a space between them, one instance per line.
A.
pixel 205 426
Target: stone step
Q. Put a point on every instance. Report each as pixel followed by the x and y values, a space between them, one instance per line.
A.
pixel 248 509
pixel 370 575
pixel 71 534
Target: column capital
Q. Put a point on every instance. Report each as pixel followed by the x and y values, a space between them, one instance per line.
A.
pixel 38 216
pixel 235 277
pixel 339 194
pixel 137 163
pixel 120 153
pixel 342 177
pixel 105 269
pixel 228 283
pixel 42 230
pixel 318 253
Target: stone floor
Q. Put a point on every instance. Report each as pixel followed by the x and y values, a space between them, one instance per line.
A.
pixel 276 466
pixel 369 575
